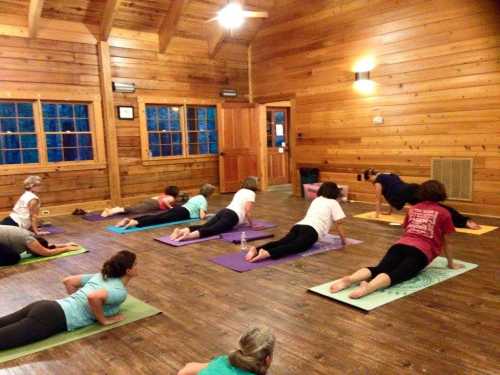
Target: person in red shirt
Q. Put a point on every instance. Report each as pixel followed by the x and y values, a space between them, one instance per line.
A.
pixel 426 225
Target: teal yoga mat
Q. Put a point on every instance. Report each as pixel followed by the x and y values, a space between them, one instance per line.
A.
pixel 133 309
pixel 114 229
pixel 435 273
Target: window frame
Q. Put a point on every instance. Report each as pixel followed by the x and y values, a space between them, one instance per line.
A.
pixel 96 129
pixel 143 101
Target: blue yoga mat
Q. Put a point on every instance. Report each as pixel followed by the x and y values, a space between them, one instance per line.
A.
pixel 121 230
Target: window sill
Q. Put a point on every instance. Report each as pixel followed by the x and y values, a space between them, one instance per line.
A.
pixel 6 170
pixel 181 160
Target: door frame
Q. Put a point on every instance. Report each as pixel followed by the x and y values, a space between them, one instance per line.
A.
pixel 262 104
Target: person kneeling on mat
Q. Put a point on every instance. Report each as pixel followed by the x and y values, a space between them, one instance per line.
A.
pixel 194 208
pixel 238 212
pixel 322 213
pixel 14 241
pixel 253 357
pixel 426 225
pixel 92 298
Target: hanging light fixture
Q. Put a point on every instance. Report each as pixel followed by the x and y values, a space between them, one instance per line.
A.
pixel 231 16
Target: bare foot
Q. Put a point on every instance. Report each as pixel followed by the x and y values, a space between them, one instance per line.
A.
pixel 131 223
pixel 473 225
pixel 263 254
pixel 360 291
pixel 122 222
pixel 174 234
pixel 340 284
pixel 252 252
pixel 106 212
pixel 183 235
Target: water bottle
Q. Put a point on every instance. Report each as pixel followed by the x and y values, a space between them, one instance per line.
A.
pixel 243 241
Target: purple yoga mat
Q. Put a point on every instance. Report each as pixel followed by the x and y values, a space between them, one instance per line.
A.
pixel 166 240
pixel 237 262
pixel 51 229
pixel 251 235
pixel 257 225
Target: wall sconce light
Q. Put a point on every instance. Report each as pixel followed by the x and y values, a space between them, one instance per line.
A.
pixel 362 82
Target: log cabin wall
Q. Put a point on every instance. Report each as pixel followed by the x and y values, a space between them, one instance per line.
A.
pixel 163 56
pixel 438 87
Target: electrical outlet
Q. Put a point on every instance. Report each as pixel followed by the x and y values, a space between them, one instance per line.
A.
pixel 45 212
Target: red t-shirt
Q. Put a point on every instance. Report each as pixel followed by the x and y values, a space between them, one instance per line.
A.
pixel 425 225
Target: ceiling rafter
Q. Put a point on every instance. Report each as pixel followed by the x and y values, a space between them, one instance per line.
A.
pixel 169 24
pixel 108 17
pixel 34 15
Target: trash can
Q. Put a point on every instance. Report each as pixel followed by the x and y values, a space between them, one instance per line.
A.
pixel 308 176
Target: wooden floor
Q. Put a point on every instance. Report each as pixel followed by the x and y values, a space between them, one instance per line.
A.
pixel 450 328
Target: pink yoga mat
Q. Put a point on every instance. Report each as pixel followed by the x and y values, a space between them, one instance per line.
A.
pixel 236 261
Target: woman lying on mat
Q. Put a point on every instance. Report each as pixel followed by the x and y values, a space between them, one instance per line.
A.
pixel 426 225
pixel 162 202
pixel 323 212
pixel 253 357
pixel 92 298
pixel 14 241
pixel 397 193
pixel 238 212
pixel 26 210
pixel 195 208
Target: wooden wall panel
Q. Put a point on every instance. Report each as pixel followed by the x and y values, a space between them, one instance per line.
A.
pixel 438 87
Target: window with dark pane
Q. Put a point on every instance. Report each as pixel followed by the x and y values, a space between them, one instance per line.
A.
pixel 164 130
pixel 202 130
pixel 18 139
pixel 67 132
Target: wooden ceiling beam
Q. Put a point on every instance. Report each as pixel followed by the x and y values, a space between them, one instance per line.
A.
pixel 108 17
pixel 216 37
pixel 170 22
pixel 34 15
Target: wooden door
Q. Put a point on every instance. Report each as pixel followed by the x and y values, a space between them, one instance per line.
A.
pixel 238 144
pixel 277 129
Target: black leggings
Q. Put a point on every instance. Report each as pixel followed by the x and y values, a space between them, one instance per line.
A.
pixel 222 222
pixel 8 256
pixel 300 238
pixel 176 213
pixel 34 322
pixel 401 263
pixel 8 221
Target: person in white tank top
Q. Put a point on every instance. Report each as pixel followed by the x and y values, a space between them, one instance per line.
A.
pixel 26 210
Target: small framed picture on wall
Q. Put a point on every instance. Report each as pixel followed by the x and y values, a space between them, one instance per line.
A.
pixel 125 112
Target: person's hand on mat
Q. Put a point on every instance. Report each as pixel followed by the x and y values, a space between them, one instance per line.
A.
pixel 113 319
pixel 72 247
pixel 455 266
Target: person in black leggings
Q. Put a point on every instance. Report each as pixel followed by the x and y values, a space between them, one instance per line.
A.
pixel 426 225
pixel 398 193
pixel 323 212
pixel 238 212
pixel 92 298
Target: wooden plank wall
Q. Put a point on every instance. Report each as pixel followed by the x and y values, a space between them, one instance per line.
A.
pixel 41 66
pixel 438 77
pixel 184 71
pixel 60 66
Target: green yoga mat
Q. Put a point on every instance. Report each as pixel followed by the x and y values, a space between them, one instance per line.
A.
pixel 28 258
pixel 435 273
pixel 133 310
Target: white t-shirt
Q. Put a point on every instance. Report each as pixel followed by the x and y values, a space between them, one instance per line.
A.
pixel 21 211
pixel 237 205
pixel 322 213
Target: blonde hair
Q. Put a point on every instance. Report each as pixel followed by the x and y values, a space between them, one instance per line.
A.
pixel 250 183
pixel 256 345
pixel 207 190
pixel 32 181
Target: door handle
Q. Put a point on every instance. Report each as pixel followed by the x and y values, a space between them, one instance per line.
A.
pixel 221 153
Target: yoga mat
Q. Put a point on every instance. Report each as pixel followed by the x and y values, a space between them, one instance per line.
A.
pixel 96 216
pixel 435 273
pixel 251 235
pixel 236 261
pixel 133 309
pixel 51 229
pixel 399 219
pixel 166 240
pixel 121 230
pixel 257 225
pixel 27 258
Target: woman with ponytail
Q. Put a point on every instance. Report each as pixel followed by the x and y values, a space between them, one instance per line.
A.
pixel 92 297
pixel 253 357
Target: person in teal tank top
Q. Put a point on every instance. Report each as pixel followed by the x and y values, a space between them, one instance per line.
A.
pixel 92 298
pixel 253 357
pixel 194 208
